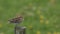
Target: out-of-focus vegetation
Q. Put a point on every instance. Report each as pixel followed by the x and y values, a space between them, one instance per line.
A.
pixel 40 16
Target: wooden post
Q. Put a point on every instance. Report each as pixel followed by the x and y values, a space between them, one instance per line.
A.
pixel 20 30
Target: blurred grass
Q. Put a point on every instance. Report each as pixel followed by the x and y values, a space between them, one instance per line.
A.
pixel 41 15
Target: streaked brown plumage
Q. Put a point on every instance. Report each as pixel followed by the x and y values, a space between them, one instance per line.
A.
pixel 17 20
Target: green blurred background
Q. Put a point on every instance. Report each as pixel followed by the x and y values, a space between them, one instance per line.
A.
pixel 40 16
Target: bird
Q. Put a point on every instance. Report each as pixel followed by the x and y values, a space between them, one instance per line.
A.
pixel 16 20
